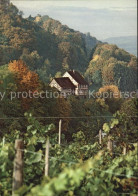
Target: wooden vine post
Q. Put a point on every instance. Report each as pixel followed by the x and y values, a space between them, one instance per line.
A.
pixel 47 157
pixel 100 137
pixel 18 166
pixel 124 150
pixel 60 126
pixel 110 144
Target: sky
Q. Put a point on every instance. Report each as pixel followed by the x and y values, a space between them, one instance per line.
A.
pixel 102 18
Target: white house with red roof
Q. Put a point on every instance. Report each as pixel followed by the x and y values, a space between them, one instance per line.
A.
pixel 72 83
pixel 79 82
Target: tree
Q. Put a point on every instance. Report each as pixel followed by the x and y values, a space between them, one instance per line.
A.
pixel 129 108
pixel 63 111
pixel 26 80
pixel 111 89
pixel 9 108
pixel 33 59
pixel 116 66
pixel 112 97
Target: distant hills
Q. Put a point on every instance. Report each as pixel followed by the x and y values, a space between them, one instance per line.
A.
pixel 128 43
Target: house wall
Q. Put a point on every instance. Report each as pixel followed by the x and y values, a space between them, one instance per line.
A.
pixel 67 92
pixel 63 92
pixel 56 85
pixel 80 89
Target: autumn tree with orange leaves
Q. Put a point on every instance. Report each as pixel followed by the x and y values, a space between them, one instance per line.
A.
pixel 26 80
pixel 111 89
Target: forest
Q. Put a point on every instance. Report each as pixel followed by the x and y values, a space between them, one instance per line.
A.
pixel 33 50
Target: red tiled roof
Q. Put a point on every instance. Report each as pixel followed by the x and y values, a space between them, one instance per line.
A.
pixel 65 83
pixel 76 75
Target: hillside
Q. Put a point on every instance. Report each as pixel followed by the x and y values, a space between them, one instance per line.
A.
pixel 74 47
pixel 50 48
pixel 20 37
pixel 112 65
pixel 128 43
pixel 56 146
pixel 43 43
pixel 66 34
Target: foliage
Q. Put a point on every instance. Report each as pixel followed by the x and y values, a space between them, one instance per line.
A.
pixel 111 65
pixel 112 90
pixel 6 167
pixel 112 96
pixel 49 48
pixel 88 179
pixel 80 171
pixel 44 44
pixel 8 107
pixel 85 118
pixel 123 128
pixel 27 81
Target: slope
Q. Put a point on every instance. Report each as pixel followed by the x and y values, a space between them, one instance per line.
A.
pixel 50 48
pixel 128 43
pixel 112 65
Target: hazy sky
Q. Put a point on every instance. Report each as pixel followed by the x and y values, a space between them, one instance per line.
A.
pixel 102 18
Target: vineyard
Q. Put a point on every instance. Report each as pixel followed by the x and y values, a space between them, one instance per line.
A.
pixel 82 144
pixel 74 168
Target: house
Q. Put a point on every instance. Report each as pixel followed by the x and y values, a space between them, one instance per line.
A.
pixel 80 83
pixel 71 83
pixel 63 85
